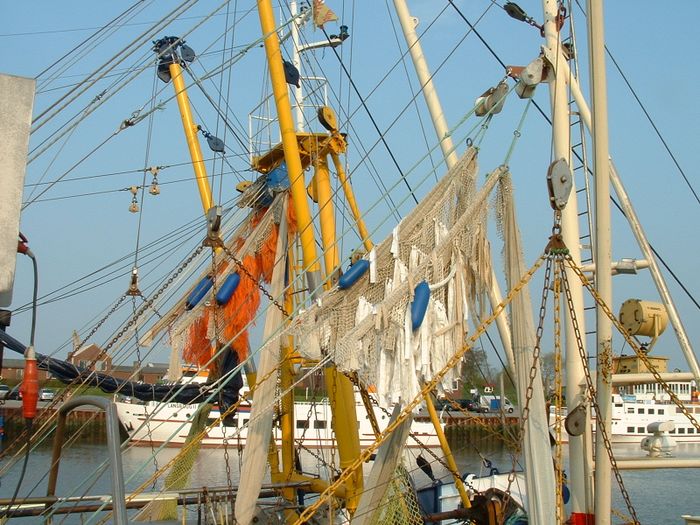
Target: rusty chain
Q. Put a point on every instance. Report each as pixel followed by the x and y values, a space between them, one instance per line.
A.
pixel 246 272
pixel 525 413
pixel 589 382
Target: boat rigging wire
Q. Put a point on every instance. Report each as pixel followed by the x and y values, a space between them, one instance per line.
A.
pixel 112 22
pixel 613 200
pixel 101 100
pixel 128 172
pixel 149 138
pixel 34 154
pixel 125 188
pixel 657 131
pixel 371 118
pixel 410 86
pixel 220 114
pixel 48 113
pixel 228 90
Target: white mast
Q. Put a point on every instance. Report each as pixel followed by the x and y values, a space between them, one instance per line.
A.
pixel 539 477
pixel 636 226
pixel 409 24
pixel 296 60
pixel 603 256
pixel 579 446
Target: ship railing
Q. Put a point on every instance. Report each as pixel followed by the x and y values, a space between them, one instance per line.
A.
pixel 263 128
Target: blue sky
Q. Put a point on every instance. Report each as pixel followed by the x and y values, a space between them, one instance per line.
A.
pixel 656 48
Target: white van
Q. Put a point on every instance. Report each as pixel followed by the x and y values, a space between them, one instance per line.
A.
pixel 491 403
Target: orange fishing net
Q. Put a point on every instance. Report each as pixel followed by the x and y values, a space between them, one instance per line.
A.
pixel 234 317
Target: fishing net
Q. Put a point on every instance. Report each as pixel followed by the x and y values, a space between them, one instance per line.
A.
pixel 540 487
pixel 179 475
pixel 400 504
pixel 367 328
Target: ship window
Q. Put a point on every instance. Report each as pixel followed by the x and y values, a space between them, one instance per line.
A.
pixel 640 411
pixel 697 410
pixel 319 423
pixel 245 422
pixel 211 421
pixel 630 410
pixel 302 423
pixel 661 411
pixel 672 431
pixel 681 431
pixel 691 431
pixel 640 430
pixel 618 405
pixel 678 410
pixel 651 411
pixel 630 429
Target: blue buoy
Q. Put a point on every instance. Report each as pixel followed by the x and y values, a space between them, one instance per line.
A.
pixel 355 271
pixel 421 297
pixel 227 289
pixel 199 292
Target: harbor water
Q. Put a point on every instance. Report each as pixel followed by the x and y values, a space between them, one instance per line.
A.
pixel 660 497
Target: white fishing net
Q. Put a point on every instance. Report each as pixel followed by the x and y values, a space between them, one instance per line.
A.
pixel 367 328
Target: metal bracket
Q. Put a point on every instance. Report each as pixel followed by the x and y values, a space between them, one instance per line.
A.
pixel 214 228
pixel 134 285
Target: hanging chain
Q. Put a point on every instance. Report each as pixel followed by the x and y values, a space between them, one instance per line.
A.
pixel 250 276
pixel 148 419
pixel 146 305
pixel 633 344
pixel 589 382
pixel 558 465
pixel 227 463
pixel 102 321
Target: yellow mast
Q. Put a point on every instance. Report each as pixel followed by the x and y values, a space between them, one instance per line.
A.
pixel 183 103
pixel 340 389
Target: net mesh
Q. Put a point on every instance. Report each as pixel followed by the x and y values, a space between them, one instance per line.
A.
pixel 365 328
pixel 400 504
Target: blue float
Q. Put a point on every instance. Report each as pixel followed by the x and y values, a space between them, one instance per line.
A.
pixel 227 289
pixel 199 292
pixel 421 297
pixel 355 271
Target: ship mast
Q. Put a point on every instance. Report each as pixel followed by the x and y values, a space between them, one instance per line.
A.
pixel 579 446
pixel 340 388
pixel 603 258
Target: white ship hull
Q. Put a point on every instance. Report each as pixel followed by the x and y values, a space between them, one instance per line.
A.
pixel 157 423
pixel 630 419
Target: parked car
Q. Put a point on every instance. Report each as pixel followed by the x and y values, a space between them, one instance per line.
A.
pixel 491 403
pixel 15 393
pixel 4 390
pixel 449 404
pixel 46 394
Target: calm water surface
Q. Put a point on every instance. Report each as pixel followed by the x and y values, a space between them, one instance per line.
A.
pixel 659 496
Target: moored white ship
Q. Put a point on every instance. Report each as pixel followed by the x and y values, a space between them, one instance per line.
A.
pixel 157 423
pixel 636 406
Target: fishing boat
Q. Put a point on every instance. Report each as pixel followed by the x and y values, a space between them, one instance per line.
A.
pixel 370 268
pixel 157 423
